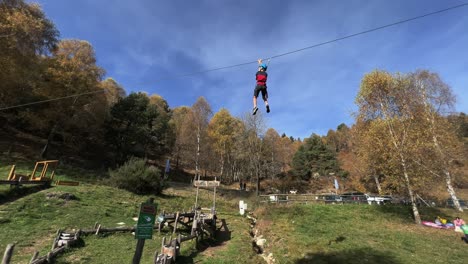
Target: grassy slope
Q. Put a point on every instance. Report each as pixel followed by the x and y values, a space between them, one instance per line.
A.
pixel 31 219
pixel 358 234
pixel 297 234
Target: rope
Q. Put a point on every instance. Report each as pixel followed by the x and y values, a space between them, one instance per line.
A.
pixel 322 43
pixel 51 100
pixel 370 30
pixel 272 57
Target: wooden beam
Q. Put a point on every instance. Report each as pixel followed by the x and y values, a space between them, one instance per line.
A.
pixel 108 230
pixel 8 254
pixel 11 175
pixel 206 183
pixel 67 183
pixel 34 257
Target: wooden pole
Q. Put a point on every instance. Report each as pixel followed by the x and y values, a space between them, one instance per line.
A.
pixel 56 239
pixel 98 229
pixel 196 199
pixel 50 255
pixel 214 197
pixel 138 251
pixel 8 253
pixel 108 230
pixel 11 176
pixel 140 243
pixel 34 257
pixel 175 224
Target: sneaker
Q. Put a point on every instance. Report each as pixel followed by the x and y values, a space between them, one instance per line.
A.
pixel 254 111
pixel 268 108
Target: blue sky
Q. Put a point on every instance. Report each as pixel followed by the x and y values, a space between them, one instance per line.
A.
pixel 143 43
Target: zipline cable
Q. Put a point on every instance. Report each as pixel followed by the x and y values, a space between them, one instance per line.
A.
pixel 51 100
pixel 370 30
pixel 322 43
pixel 272 57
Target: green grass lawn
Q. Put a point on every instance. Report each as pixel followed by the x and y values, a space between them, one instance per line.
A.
pixel 294 233
pixel 31 219
pixel 358 234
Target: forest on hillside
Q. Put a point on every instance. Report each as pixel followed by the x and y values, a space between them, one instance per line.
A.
pixel 57 103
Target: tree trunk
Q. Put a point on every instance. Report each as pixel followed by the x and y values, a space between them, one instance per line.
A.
pixel 177 161
pixel 257 172
pixel 272 169
pixel 417 217
pixel 398 149
pixel 448 176
pixel 198 154
pixel 258 183
pixel 222 168
pixel 49 140
pixel 377 183
pixel 451 191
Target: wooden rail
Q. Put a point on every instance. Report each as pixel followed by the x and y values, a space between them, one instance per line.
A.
pixel 311 198
pixel 27 182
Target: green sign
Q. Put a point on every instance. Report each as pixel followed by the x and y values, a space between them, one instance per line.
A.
pixel 144 228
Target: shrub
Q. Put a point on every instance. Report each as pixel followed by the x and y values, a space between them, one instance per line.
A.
pixel 135 176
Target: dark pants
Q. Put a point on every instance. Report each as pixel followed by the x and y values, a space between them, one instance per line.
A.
pixel 263 89
pixel 465 238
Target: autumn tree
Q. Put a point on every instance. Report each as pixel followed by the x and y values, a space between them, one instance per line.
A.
pixel 384 99
pixel 338 140
pixel 113 91
pixel 435 97
pixel 26 35
pixel 200 116
pixel 180 123
pixel 72 70
pixel 373 166
pixel 253 148
pixel 460 122
pixel 273 153
pixel 223 129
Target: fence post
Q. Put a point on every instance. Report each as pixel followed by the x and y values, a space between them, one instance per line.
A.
pixel 8 253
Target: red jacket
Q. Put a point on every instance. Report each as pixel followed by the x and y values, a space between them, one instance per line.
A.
pixel 261 77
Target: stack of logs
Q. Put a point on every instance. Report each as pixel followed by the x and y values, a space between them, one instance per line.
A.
pixel 201 223
pixel 61 242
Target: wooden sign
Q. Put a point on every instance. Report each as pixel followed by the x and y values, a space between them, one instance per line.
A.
pixel 144 228
pixel 206 183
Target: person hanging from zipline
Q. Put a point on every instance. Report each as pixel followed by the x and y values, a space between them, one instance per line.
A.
pixel 261 78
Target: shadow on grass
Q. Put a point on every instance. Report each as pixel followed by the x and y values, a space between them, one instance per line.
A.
pixel 402 212
pixel 405 212
pixel 167 196
pixel 235 194
pixel 361 255
pixel 14 193
pixel 222 235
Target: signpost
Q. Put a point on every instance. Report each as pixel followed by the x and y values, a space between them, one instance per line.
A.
pixel 206 183
pixel 144 228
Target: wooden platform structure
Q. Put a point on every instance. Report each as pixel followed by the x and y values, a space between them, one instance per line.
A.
pixel 200 221
pixel 39 176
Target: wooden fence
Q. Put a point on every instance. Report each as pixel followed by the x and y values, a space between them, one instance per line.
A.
pixel 312 198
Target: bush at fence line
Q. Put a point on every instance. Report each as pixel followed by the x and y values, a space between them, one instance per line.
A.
pixel 137 177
